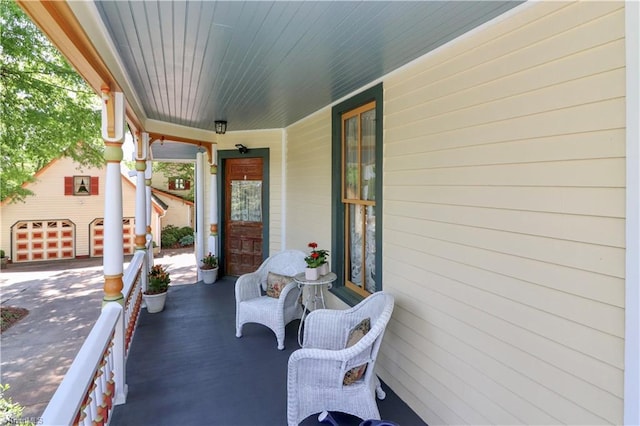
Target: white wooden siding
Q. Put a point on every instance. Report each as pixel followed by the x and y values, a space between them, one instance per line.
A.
pixel 179 212
pixel 309 182
pixel 504 176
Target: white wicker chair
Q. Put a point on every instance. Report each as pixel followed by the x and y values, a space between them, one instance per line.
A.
pixel 252 306
pixel 316 372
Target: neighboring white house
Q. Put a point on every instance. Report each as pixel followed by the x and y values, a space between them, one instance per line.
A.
pixel 179 212
pixel 64 217
pixel 172 192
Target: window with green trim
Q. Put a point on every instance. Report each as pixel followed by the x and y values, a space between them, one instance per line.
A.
pixel 357 190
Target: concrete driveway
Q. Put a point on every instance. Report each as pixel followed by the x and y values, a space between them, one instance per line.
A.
pixel 64 299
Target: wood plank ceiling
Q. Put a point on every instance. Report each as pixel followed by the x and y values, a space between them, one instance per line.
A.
pixel 267 64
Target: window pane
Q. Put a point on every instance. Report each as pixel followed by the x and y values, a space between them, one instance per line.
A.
pixel 358 148
pixel 81 185
pixel 246 200
pixel 368 120
pixel 351 158
pixel 355 244
pixel 370 246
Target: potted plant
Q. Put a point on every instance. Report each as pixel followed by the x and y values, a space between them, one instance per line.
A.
pixel 316 262
pixel 157 288
pixel 209 268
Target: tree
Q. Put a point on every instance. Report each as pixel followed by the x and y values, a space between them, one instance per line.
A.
pixel 47 110
pixel 184 171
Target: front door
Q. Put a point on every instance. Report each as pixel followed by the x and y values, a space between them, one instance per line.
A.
pixel 243 215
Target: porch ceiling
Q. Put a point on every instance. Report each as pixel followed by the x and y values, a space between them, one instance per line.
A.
pixel 263 64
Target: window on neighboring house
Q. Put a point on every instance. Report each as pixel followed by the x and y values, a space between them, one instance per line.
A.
pixel 178 184
pixel 81 185
pixel 357 148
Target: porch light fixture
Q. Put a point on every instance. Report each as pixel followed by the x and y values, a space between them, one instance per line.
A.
pixel 221 127
pixel 243 149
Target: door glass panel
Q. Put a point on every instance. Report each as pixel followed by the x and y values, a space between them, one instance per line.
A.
pixel 246 200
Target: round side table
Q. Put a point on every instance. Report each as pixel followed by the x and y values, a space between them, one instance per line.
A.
pixel 316 295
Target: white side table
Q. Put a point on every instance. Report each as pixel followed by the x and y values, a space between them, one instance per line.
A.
pixel 316 295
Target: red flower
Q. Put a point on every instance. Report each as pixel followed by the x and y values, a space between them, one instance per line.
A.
pixel 315 255
pixel 313 245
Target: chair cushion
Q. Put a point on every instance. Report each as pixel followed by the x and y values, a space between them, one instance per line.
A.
pixel 275 284
pixel 354 337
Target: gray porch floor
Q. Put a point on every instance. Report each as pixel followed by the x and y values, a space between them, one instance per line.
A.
pixel 186 367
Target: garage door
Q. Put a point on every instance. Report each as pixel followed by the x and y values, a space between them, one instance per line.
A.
pixel 97 236
pixel 43 240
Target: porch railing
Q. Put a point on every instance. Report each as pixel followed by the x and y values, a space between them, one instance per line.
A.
pixel 96 381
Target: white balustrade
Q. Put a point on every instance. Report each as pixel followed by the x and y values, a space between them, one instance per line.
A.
pixel 96 381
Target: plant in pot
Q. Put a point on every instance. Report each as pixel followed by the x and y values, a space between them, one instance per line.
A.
pixel 157 288
pixel 316 262
pixel 209 268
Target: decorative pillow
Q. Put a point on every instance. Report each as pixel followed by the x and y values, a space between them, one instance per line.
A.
pixel 355 335
pixel 275 284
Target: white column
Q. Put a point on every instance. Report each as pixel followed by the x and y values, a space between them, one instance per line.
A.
pixel 141 147
pixel 113 122
pixel 283 200
pixel 200 219
pixel 147 186
pixel 213 201
pixel 140 155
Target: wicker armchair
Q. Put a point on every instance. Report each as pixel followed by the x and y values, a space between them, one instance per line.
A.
pixel 253 306
pixel 316 374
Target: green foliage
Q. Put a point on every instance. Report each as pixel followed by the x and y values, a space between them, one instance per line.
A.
pixel 159 280
pixel 10 412
pixel 186 241
pixel 209 262
pixel 1 254
pixel 172 235
pixel 317 256
pixel 168 239
pixel 48 110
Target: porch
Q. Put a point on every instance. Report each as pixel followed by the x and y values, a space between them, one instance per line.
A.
pixel 186 366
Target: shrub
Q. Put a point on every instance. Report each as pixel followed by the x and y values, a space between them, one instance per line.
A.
pixel 168 238
pixel 185 241
pixel 10 412
pixel 172 236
